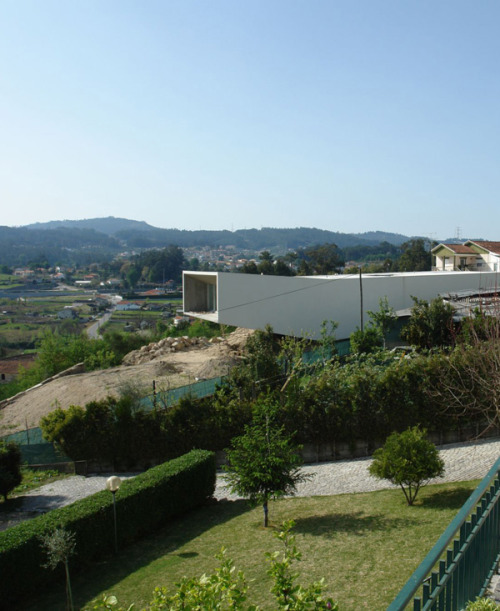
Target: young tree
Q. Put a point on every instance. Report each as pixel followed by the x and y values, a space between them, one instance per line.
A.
pixel 10 467
pixel 327 341
pixel 60 545
pixel 263 463
pixel 384 319
pixel 409 460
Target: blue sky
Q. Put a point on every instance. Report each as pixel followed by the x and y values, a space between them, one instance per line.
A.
pixel 350 116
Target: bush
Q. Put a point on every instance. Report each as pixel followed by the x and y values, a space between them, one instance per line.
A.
pixel 110 431
pixel 366 341
pixel 482 604
pixel 10 467
pixel 408 460
pixel 143 504
pixel 430 324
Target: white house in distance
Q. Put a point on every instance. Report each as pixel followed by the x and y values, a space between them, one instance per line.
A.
pixel 298 305
pixel 473 255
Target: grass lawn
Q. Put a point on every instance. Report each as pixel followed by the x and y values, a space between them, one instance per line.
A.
pixel 365 546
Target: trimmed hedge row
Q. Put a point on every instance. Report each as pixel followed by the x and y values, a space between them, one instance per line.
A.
pixel 143 504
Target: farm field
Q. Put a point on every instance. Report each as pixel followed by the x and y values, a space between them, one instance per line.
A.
pixel 9 282
pixel 24 320
pixel 153 314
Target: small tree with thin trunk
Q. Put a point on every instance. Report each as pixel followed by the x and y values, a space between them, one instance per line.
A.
pixel 60 545
pixel 263 463
pixel 384 319
pixel 409 460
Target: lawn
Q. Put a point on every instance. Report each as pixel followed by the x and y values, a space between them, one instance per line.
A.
pixel 365 546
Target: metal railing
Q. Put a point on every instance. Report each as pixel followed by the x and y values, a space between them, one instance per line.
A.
pixel 461 564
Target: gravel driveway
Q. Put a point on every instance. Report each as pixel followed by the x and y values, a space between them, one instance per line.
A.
pixel 463 462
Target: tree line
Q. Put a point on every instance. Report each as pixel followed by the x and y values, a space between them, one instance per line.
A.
pixel 328 258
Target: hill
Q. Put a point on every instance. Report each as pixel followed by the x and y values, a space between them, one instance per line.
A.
pixel 138 234
pixel 20 246
pixel 81 242
pixel 109 225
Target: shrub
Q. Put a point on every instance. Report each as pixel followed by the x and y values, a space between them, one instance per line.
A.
pixel 110 431
pixel 366 341
pixel 407 459
pixel 10 467
pixel 482 604
pixel 143 504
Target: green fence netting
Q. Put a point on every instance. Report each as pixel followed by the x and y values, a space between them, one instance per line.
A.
pixel 27 437
pixel 35 450
pixel 164 399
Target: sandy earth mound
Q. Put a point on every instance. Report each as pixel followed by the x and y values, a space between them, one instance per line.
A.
pixel 168 367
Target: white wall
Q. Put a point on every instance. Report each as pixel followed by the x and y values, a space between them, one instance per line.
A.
pixel 298 305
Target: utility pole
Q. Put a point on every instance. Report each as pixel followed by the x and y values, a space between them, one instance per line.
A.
pixel 361 297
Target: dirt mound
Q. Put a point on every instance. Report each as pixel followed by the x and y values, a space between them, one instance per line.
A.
pixel 196 360
pixel 166 346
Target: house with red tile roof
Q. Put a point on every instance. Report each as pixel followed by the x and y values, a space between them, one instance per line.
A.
pixel 472 255
pixel 9 367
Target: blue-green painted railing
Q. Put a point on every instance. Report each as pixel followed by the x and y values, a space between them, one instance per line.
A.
pixel 460 566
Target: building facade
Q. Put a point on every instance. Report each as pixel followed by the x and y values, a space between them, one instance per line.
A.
pixel 299 305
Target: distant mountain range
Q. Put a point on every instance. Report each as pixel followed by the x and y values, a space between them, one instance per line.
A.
pixel 138 234
pixel 84 241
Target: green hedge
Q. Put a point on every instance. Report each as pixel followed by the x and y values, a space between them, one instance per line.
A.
pixel 143 504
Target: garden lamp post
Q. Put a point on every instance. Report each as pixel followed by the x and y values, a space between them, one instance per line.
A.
pixel 113 484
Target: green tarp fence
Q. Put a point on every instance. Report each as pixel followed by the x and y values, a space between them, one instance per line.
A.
pixel 34 449
pixel 168 398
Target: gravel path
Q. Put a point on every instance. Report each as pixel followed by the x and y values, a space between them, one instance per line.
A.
pixel 56 494
pixel 463 462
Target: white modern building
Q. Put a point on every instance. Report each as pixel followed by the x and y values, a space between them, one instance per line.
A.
pixel 298 305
